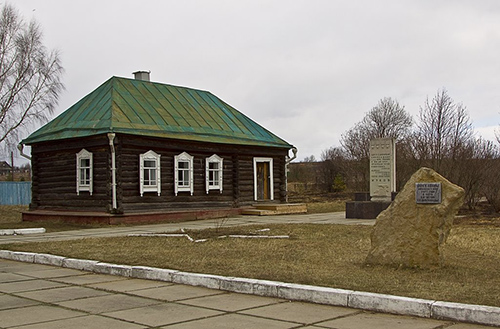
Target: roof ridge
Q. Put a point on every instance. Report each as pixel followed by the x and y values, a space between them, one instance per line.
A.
pixel 160 83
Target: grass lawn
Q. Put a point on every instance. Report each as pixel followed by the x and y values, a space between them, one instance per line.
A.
pixel 324 255
pixel 10 217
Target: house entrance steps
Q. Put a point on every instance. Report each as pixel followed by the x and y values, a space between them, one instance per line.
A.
pixel 270 209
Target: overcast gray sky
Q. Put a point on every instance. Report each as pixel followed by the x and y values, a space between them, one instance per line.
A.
pixel 306 70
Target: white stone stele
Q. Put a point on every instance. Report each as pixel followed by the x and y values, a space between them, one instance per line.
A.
pixel 322 295
pixel 382 169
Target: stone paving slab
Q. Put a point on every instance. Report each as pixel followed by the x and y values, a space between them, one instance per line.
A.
pixel 467 326
pixel 61 294
pixel 51 273
pixel 175 292
pixel 181 306
pixel 231 321
pixel 108 303
pixel 366 320
pixel 10 302
pixel 231 302
pixel 85 278
pixel 302 313
pixel 12 277
pixel 162 314
pixel 35 314
pixel 28 285
pixel 87 322
pixel 130 285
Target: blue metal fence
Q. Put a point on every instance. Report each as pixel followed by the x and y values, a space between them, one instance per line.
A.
pixel 15 193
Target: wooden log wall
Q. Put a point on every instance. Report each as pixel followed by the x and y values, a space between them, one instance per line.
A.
pixel 54 175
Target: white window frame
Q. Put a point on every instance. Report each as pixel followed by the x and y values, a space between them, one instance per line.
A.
pixel 183 157
pixel 150 156
pixel 83 187
pixel 271 177
pixel 213 159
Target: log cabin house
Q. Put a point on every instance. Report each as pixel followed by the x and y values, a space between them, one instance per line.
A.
pixel 135 150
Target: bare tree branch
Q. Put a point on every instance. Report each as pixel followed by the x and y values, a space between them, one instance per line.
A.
pixel 387 119
pixel 30 76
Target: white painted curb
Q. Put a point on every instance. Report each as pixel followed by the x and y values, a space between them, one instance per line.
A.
pixel 322 295
pixel 391 304
pixel 466 313
pixel 22 231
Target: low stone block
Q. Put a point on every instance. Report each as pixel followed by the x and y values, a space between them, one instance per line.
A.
pixel 320 295
pixel 487 315
pixel 240 285
pixel 113 269
pixel 79 264
pixel 266 288
pixel 152 273
pixel 364 209
pixel 390 304
pixel 48 259
pixel 22 231
pixel 27 257
pixel 6 254
pixel 195 279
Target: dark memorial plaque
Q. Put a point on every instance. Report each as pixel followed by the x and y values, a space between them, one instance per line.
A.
pixel 428 192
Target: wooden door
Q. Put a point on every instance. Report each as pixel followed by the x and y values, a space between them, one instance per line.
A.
pixel 263 181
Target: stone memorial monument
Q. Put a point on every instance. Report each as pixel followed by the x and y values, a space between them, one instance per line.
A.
pixel 412 231
pixel 382 169
pixel 382 181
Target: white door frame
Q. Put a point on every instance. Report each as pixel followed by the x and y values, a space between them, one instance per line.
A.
pixel 271 180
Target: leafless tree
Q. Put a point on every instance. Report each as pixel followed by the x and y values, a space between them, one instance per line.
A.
pixel 443 130
pixel 30 76
pixel 332 167
pixel 387 119
pixel 477 171
pixel 310 158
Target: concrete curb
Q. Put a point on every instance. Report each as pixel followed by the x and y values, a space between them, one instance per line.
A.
pixel 486 315
pixel 22 231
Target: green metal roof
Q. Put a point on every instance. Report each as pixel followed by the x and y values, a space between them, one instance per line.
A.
pixel 144 108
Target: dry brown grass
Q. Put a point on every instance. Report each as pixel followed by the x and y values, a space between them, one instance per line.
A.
pixel 324 255
pixel 326 206
pixel 11 214
pixel 10 218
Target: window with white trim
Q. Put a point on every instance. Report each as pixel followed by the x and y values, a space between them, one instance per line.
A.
pixel 213 173
pixel 183 173
pixel 149 172
pixel 84 172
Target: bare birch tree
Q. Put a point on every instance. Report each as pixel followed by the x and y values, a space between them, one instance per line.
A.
pixel 30 76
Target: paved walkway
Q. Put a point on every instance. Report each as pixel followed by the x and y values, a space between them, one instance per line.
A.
pixel 328 218
pixel 41 296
